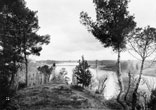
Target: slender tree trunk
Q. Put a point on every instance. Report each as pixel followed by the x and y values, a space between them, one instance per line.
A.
pixel 13 74
pixel 129 86
pixel 134 97
pixel 121 88
pixel 12 79
pixel 26 69
pixel 25 57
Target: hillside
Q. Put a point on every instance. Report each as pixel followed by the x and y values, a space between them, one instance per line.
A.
pixel 57 97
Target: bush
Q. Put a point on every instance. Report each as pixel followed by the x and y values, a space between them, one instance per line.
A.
pixel 82 73
pixel 113 104
pixel 152 102
pixel 21 85
pixel 6 94
pixel 76 87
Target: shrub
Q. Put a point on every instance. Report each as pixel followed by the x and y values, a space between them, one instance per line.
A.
pixel 62 77
pixel 76 87
pixel 6 94
pixel 112 104
pixel 152 102
pixel 21 85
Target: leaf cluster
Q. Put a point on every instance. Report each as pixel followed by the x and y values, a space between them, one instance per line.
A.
pixel 45 69
pixel 112 24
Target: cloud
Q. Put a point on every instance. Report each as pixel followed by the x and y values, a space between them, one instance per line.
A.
pixel 144 12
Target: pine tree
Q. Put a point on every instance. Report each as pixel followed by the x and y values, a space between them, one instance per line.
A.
pixel 83 73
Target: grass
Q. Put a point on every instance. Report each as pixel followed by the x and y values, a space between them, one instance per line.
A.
pixel 56 96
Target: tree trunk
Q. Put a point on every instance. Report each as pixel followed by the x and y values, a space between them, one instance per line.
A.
pixel 12 79
pixel 13 74
pixel 26 69
pixel 121 88
pixel 134 97
pixel 129 86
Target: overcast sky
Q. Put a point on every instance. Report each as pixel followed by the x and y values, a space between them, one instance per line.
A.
pixel 70 39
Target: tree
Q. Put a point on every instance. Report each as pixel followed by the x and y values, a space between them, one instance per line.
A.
pixel 14 19
pixel 10 53
pixel 112 25
pixel 142 42
pixel 46 70
pixel 31 42
pixel 27 21
pixel 82 73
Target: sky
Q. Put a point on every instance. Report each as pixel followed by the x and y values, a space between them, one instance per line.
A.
pixel 70 39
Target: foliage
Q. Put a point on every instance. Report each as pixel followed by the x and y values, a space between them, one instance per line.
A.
pixel 82 73
pixel 63 75
pixel 21 24
pixel 113 24
pixel 152 101
pixel 10 54
pixel 21 85
pixel 6 94
pixel 142 42
pixel 16 21
pixel 76 87
pixel 46 70
pixel 112 104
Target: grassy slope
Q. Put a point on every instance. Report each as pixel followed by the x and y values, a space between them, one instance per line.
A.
pixel 57 97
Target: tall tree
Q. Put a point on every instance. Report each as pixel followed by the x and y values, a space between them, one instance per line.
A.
pixel 111 27
pixel 10 53
pixel 17 30
pixel 143 43
pixel 27 20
